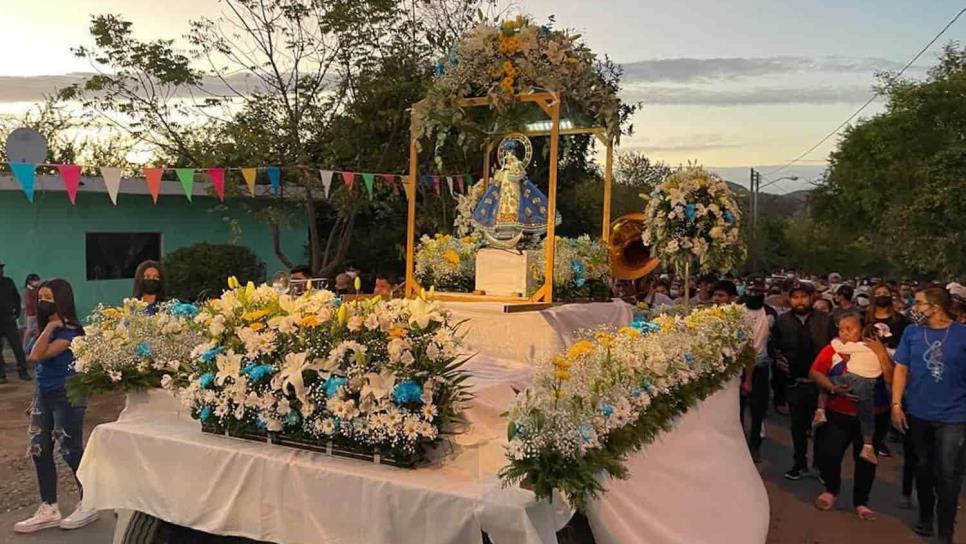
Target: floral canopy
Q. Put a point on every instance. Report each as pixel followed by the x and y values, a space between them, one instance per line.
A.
pixel 515 58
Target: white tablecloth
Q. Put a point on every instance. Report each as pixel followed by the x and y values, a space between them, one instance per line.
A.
pixel 156 460
pixel 695 484
pixel 536 336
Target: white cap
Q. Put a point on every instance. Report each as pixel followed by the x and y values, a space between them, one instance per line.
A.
pixel 956 289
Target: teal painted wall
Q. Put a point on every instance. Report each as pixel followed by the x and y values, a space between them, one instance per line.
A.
pixel 48 237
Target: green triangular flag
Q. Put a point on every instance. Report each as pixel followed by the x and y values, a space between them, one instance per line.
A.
pixel 187 178
pixel 368 179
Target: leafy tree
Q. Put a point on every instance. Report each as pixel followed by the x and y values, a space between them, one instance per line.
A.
pixel 896 180
pixel 199 271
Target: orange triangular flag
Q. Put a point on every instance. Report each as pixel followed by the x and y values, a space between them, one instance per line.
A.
pixel 153 178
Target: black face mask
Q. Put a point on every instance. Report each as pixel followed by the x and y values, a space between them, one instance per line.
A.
pixel 802 310
pixel 150 287
pixel 755 302
pixel 45 309
pixel 883 301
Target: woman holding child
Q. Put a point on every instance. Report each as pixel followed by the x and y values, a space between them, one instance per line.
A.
pixel 844 405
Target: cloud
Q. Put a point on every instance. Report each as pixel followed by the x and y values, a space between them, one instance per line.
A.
pixel 708 96
pixel 694 70
pixel 692 143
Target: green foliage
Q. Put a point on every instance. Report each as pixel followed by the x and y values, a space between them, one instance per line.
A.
pixel 202 269
pixel 896 180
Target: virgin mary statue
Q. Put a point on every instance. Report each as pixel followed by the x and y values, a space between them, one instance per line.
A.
pixel 512 207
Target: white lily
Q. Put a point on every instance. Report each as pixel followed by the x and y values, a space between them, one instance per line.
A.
pixel 378 385
pixel 229 366
pixel 422 312
pixel 290 376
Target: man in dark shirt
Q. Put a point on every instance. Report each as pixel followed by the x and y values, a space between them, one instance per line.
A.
pixel 798 336
pixel 9 312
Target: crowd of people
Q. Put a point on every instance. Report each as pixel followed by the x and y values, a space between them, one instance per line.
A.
pixel 847 361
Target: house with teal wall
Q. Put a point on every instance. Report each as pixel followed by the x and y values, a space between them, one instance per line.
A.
pixel 92 243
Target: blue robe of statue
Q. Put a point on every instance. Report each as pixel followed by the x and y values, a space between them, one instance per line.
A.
pixel 531 215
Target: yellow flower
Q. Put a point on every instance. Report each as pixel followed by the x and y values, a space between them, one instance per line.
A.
pixel 581 348
pixel 629 331
pixel 397 332
pixel 451 256
pixel 506 85
pixel 358 283
pixel 467 240
pixel 343 314
pixel 309 321
pixel 604 338
pixel 257 326
pixel 561 363
pixel 233 282
pixel 562 375
pixel 254 315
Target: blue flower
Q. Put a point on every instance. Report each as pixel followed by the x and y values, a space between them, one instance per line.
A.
pixel 646 384
pixel 730 219
pixel 606 409
pixel 689 359
pixel 292 419
pixel 636 392
pixel 260 423
pixel 544 30
pixel 440 69
pixel 407 391
pixel 210 355
pixel 645 327
pixel 205 413
pixel 206 380
pixel 183 309
pixel 333 384
pixel 579 272
pixel 690 212
pixel 740 335
pixel 257 372
pixel 144 350
pixel 586 432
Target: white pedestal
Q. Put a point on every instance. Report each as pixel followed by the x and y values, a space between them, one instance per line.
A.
pixel 504 273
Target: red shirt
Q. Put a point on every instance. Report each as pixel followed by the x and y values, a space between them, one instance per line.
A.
pixel 838 403
pixel 30 301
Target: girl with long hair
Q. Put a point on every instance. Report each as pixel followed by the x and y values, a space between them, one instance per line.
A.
pixel 53 417
pixel 149 285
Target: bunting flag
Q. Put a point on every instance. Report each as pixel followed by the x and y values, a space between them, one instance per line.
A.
pixel 449 183
pixel 152 176
pixel 250 174
pixel 70 175
pixel 112 180
pixel 459 185
pixel 367 180
pixel 326 176
pixel 275 178
pixel 187 178
pixel 348 178
pixel 436 186
pixel 25 173
pixel 217 176
pixel 391 180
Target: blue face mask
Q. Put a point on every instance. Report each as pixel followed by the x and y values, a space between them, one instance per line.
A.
pixel 741 290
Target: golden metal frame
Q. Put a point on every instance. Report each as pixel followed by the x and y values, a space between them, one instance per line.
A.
pixel 550 103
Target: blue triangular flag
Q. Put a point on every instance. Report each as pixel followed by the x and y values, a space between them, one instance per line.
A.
pixel 275 178
pixel 25 173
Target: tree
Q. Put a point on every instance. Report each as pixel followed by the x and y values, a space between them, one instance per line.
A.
pixel 637 170
pixel 896 180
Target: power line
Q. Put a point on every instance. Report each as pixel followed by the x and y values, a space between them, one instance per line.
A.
pixel 870 100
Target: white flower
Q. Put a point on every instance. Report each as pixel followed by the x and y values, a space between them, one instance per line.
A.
pixel 378 385
pixel 423 312
pixel 229 366
pixel 354 323
pixel 166 381
pixel 429 412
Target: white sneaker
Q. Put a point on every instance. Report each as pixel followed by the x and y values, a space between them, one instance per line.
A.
pixel 46 517
pixel 762 433
pixel 79 518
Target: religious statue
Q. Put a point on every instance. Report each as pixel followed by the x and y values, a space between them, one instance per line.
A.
pixel 512 206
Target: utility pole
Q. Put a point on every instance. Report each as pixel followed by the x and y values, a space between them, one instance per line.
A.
pixel 754 185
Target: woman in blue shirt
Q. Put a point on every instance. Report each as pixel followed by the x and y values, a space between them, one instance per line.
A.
pixel 53 417
pixel 149 285
pixel 930 378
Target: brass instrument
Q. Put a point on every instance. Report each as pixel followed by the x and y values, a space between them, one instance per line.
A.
pixel 630 259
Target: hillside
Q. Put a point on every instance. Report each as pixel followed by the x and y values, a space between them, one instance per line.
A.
pixel 772 206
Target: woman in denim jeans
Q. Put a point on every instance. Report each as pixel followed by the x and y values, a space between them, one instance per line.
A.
pixel 54 420
pixel 930 386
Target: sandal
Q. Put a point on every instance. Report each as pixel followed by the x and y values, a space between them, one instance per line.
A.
pixel 825 501
pixel 865 513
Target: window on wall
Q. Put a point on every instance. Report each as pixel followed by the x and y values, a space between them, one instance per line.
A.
pixel 116 255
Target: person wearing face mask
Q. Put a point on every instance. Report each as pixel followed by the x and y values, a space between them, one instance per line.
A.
pixel 799 335
pixel 929 402
pixel 54 418
pixel 149 285
pixel 882 311
pixel 755 386
pixel 9 331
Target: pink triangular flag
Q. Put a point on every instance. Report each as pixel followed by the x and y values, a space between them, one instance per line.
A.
pixel 70 174
pixel 152 176
pixel 459 184
pixel 217 176
pixel 112 180
pixel 348 178
pixel 391 180
pixel 436 185
pixel 326 176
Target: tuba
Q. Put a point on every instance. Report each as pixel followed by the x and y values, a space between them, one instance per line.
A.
pixel 630 259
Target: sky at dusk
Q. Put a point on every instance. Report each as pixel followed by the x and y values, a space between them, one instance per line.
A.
pixel 730 84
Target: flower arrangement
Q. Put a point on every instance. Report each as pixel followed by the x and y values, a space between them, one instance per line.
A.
pixel 465 204
pixel 692 214
pixel 516 57
pixel 581 268
pixel 447 263
pixel 613 392
pixel 370 376
pixel 125 349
